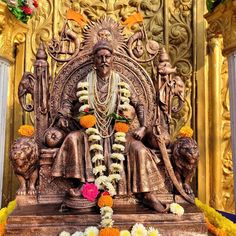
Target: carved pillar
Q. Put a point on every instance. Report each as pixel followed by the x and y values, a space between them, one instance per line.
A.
pixel 222 21
pixel 215 109
pixel 11 34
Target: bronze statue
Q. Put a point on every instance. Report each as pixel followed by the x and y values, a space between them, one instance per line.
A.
pixel 185 160
pixel 74 158
pixel 24 159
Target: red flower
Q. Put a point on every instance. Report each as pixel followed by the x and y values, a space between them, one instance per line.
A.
pixel 90 191
pixel 105 193
pixel 86 109
pixel 35 3
pixel 27 10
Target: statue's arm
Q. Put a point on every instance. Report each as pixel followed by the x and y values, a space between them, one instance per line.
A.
pixel 141 115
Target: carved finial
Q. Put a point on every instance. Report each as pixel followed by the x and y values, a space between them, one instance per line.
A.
pixel 41 53
pixel 163 55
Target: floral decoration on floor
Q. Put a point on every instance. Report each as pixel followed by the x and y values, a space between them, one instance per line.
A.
pixel 23 10
pixel 216 223
pixel 137 230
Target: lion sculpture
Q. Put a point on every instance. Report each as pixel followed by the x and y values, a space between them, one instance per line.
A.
pixel 24 159
pixel 185 161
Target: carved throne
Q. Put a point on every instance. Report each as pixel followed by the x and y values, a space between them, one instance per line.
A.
pixel 44 208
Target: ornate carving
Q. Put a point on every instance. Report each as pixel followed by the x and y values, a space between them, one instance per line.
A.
pixel 24 158
pixel 26 86
pixel 227 163
pixel 11 32
pixel 68 45
pixel 180 50
pixel 40 30
pixel 223 21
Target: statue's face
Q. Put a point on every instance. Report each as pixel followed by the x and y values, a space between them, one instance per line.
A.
pixel 103 62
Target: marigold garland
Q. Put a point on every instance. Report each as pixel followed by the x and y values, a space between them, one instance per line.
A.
pixel 217 219
pixel 121 127
pixel 212 229
pixel 87 121
pixel 185 131
pixel 108 231
pixel 26 130
pixel 105 200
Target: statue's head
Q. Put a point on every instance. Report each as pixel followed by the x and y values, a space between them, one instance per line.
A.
pixel 103 58
pixel 24 155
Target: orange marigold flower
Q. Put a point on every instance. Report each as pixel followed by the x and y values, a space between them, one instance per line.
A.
pixel 87 121
pixel 186 131
pixel 121 127
pixel 2 228
pixel 109 232
pixel 105 200
pixel 26 130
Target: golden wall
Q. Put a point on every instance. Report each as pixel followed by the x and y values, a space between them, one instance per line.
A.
pixel 180 26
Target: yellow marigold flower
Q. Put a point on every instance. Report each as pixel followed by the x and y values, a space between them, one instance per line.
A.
pixel 87 121
pixel 186 131
pixel 3 215
pixel 26 130
pixel 11 206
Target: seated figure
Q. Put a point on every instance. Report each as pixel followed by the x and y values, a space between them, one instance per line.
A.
pixel 139 174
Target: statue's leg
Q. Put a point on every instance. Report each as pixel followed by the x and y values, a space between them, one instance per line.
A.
pixel 32 182
pixel 73 161
pixel 145 176
pixel 22 188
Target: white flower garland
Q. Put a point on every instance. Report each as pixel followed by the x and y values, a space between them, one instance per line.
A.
pixel 102 181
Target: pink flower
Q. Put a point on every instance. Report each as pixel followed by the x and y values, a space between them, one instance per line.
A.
pixel 27 10
pixel 86 109
pixel 90 191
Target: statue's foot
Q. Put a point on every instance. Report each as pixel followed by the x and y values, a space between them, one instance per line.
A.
pixel 32 190
pixel 74 192
pixel 151 201
pixel 21 190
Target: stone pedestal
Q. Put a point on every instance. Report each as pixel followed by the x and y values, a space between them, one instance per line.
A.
pixel 50 220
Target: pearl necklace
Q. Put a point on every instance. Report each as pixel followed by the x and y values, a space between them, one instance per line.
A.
pixel 102 109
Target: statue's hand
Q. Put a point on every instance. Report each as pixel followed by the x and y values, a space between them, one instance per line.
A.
pixel 63 122
pixel 139 133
